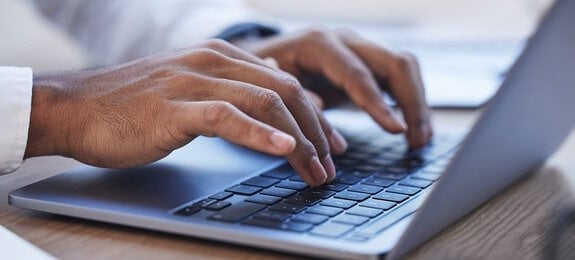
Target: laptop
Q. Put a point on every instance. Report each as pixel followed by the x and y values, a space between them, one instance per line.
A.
pixel 386 199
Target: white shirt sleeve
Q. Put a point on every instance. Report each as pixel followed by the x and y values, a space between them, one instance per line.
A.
pixel 15 106
pixel 117 31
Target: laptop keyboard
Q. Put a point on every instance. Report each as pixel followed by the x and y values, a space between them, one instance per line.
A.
pixel 376 177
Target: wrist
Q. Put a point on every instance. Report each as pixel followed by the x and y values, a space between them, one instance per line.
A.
pixel 48 117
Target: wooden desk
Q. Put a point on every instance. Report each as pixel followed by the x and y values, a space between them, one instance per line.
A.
pixel 513 225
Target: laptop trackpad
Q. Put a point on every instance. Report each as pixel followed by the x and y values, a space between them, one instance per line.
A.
pixel 204 167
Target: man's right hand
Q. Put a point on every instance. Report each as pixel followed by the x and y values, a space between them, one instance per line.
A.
pixel 137 113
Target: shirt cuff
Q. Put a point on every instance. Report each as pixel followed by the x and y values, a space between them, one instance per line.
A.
pixel 15 107
pixel 247 30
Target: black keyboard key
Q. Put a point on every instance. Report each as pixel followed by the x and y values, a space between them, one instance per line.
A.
pixel 366 167
pixel 391 156
pixel 204 202
pixel 349 180
pixel 381 162
pixel 358 174
pixel 288 207
pixel 428 176
pixel 278 192
pixel 365 189
pixel 331 229
pixel 337 187
pixel 218 205
pixel 296 178
pixel 324 210
pixel 194 208
pixel 261 182
pixel 338 203
pixel 263 199
pixel 302 200
pixel 188 210
pixel 348 195
pixel 350 219
pixel 237 211
pixel 294 185
pixel 244 190
pixel 357 155
pixel 346 161
pixel 363 211
pixel 273 215
pixel 281 173
pixel 317 193
pixel 309 218
pixel 391 197
pixel 289 226
pixel 378 182
pixel 403 190
pixel 415 183
pixel 391 176
pixel 221 195
pixel 378 204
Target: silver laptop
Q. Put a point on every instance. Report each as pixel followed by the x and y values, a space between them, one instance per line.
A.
pixel 386 199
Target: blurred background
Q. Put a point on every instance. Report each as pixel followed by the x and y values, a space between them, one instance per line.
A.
pixel 464 46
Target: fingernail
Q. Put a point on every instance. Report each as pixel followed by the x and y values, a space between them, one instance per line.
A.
pixel 338 142
pixel 317 171
pixel 398 121
pixel 329 167
pixel 282 141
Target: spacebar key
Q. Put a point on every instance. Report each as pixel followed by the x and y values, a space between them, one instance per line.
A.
pixel 237 212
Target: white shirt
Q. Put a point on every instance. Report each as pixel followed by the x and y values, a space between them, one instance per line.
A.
pixel 15 104
pixel 117 31
pixel 112 32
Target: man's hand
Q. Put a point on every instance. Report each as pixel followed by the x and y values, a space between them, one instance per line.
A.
pixel 139 112
pixel 363 70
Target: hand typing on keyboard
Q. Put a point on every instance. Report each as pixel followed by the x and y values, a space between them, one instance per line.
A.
pixel 135 113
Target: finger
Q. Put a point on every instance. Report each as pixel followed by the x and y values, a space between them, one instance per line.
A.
pixel 262 105
pixel 218 118
pixel 344 69
pixel 402 73
pixel 234 52
pixel 314 98
pixel 337 144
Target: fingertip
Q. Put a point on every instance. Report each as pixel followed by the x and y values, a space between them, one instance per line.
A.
pixel 329 168
pixel 388 119
pixel 420 136
pixel 317 171
pixel 337 142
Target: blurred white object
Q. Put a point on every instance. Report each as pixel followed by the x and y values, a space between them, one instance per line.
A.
pixel 463 46
pixel 14 247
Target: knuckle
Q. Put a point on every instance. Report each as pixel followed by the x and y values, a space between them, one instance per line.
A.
pixel 207 55
pixel 291 88
pixel 217 44
pixel 162 72
pixel 405 61
pixel 317 35
pixel 217 113
pixel 268 100
pixel 318 32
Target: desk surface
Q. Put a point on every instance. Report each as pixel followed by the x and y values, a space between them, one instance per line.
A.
pixel 516 224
